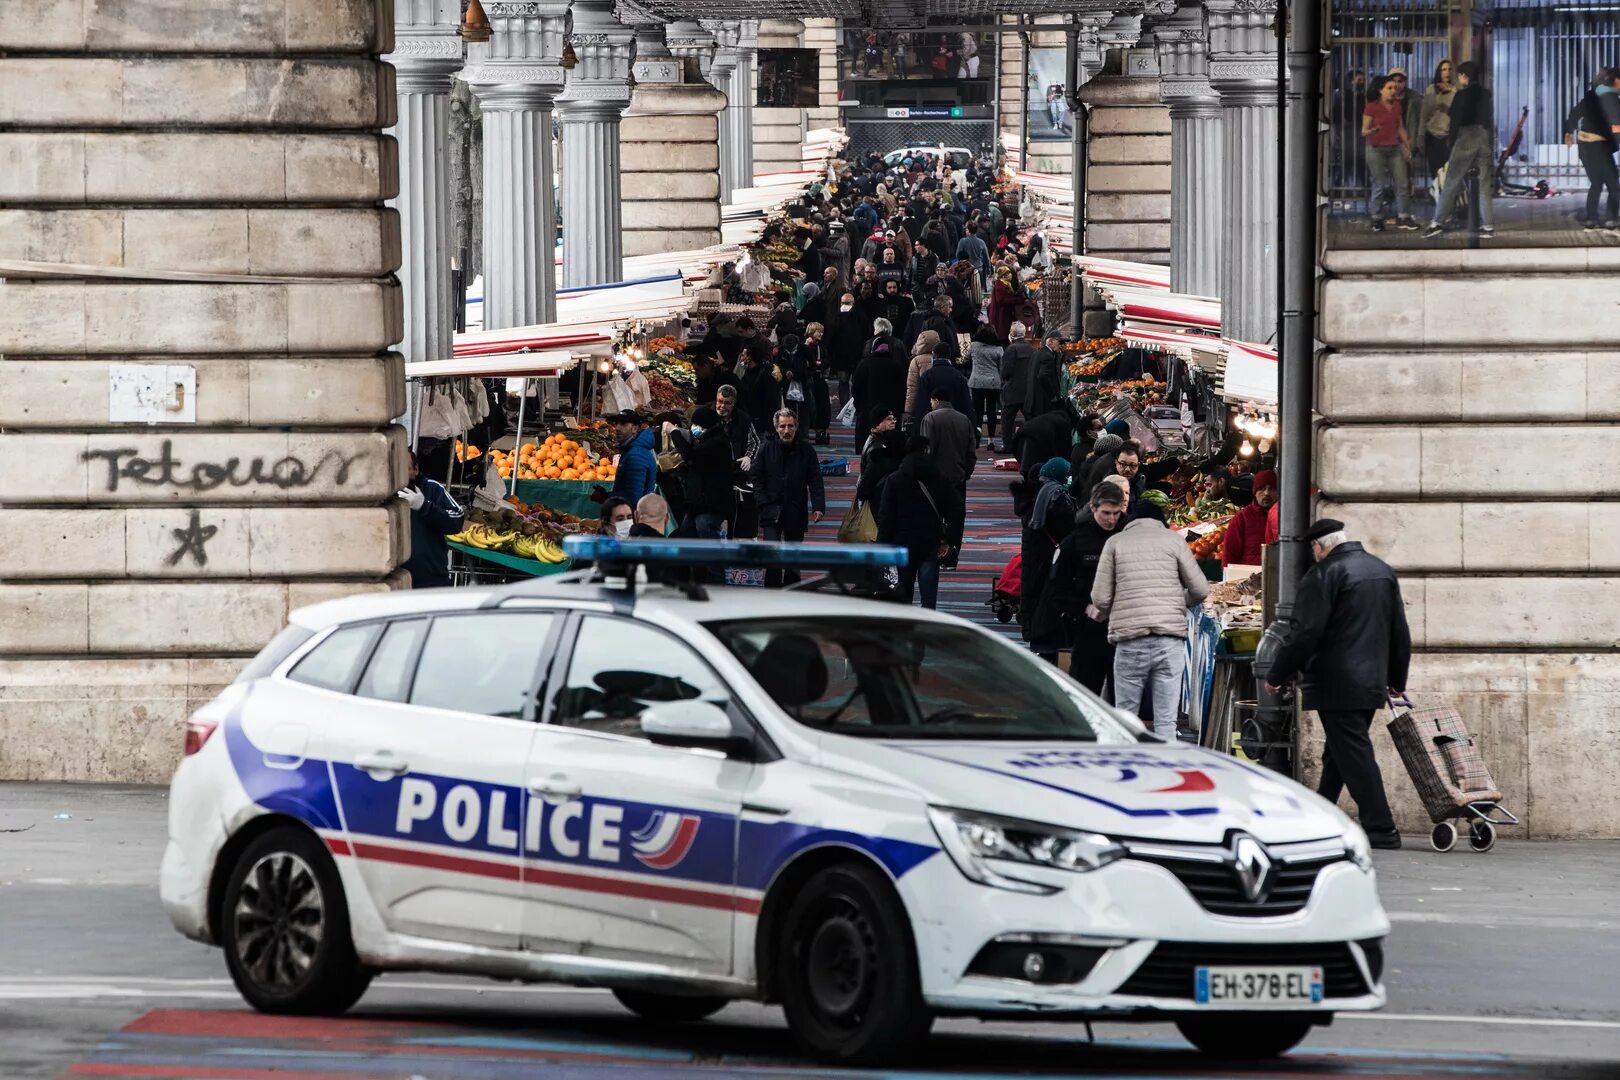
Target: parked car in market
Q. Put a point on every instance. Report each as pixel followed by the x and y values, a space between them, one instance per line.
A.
pixel 872 815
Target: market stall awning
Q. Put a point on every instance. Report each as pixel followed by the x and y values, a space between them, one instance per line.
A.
pixel 1173 340
pixel 1099 272
pixel 1250 374
pixel 538 365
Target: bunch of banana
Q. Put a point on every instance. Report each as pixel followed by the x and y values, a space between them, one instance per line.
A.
pixel 538 548
pixel 485 538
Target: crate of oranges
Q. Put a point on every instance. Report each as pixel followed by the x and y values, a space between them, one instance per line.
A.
pixel 558 458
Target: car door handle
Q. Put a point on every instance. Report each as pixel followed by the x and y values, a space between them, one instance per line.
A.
pixel 381 762
pixel 555 787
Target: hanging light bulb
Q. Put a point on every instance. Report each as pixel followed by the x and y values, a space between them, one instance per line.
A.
pixel 1247 449
pixel 1265 446
pixel 475 25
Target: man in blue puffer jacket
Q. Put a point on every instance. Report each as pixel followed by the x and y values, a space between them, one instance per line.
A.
pixel 638 461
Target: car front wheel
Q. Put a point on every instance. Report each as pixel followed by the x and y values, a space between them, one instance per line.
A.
pixel 285 928
pixel 1249 1037
pixel 848 969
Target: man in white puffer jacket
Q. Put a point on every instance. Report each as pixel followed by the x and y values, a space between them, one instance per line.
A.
pixel 1146 580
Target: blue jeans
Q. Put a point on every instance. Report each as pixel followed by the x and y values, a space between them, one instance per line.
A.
pixel 1158 659
pixel 1387 163
pixel 923 576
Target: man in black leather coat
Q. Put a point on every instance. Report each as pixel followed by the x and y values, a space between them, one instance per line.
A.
pixel 1350 644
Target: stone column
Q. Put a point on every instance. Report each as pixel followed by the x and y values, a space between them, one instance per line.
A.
pixel 426 57
pixel 516 76
pixel 1197 208
pixel 740 104
pixel 597 92
pixel 778 133
pixel 1243 71
pixel 670 142
pixel 722 73
pixel 822 35
pixel 186 458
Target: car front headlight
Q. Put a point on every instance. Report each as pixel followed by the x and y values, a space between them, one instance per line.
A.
pixel 992 850
pixel 1357 849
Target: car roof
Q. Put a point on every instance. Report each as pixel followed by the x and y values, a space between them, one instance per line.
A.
pixel 722 603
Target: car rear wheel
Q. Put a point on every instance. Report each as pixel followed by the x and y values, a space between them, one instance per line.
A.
pixel 1249 1037
pixel 285 928
pixel 670 1007
pixel 847 969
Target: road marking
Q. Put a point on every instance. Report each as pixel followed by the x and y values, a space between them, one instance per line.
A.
pixel 23 987
pixel 1492 919
pixel 1510 1021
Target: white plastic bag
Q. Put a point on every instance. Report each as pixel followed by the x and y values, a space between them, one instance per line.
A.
pixel 846 415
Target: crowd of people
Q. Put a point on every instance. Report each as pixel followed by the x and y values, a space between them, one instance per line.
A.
pixel 909 315
pixel 1387 133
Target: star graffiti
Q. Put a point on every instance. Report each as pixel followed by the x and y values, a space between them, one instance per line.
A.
pixel 193 540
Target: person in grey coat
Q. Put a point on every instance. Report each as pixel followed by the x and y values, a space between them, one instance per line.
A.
pixel 1146 580
pixel 953 444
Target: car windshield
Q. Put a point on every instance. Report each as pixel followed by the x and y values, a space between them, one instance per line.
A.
pixel 914 679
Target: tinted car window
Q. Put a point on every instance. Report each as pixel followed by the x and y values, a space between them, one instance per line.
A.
pixel 486 663
pixel 620 667
pixel 898 679
pixel 388 675
pixel 331 664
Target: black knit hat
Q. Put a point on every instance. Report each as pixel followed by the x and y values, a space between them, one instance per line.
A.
pixel 1323 528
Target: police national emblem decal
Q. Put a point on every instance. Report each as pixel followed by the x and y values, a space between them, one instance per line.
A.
pixel 664 841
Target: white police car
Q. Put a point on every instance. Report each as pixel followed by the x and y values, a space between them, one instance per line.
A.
pixel 871 814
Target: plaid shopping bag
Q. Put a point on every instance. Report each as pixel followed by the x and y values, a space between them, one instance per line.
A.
pixel 1443 760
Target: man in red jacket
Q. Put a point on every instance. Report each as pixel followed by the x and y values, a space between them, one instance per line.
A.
pixel 1245 536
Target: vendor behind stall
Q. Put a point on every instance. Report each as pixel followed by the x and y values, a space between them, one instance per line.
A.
pixel 1245 536
pixel 638 463
pixel 434 516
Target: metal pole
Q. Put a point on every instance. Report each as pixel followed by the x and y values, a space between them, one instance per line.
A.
pixel 1297 348
pixel 1077 110
pixel 517 442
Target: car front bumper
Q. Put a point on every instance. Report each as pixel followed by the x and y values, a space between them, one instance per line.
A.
pixel 1128 910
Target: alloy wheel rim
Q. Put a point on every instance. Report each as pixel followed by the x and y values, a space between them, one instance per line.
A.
pixel 280 920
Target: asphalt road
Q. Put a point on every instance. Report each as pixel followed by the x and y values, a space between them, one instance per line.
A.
pixel 1501 965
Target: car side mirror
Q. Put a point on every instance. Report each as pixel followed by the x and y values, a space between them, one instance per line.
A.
pixel 689 723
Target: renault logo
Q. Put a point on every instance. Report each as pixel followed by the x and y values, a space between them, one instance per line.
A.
pixel 1253 867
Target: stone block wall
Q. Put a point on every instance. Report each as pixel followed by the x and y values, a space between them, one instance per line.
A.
pixel 210 179
pixel 1127 169
pixel 1468 402
pixel 822 35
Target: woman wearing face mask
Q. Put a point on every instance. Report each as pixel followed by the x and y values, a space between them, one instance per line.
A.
pixel 617 517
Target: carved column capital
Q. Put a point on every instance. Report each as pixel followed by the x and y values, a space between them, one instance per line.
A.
pixel 1243 49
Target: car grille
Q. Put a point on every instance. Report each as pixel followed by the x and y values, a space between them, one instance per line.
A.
pixel 1217 888
pixel 1170 969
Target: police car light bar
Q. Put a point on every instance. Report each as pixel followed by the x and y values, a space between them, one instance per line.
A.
pixel 733 553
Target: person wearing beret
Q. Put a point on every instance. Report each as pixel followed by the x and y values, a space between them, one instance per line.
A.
pixel 1350 648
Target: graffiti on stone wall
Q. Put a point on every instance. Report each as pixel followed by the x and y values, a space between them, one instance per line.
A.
pixel 193 540
pixel 165 470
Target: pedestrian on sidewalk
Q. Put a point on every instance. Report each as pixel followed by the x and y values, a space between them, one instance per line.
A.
pixel 1048 516
pixel 922 358
pixel 953 444
pixel 945 380
pixel 880 454
pixel 1473 125
pixel 706 449
pixel 1389 156
pixel 1041 386
pixel 787 489
pixel 918 511
pixel 1014 380
pixel 984 380
pixel 1062 622
pixel 1349 645
pixel 1146 580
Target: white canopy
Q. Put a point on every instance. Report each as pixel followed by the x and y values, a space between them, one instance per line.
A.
pixel 497 365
